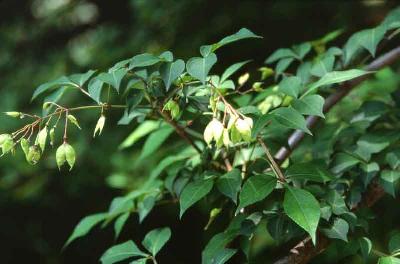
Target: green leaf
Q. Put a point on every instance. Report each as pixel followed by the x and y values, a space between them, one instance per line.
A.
pixel 142 130
pixel 370 38
pixel 336 77
pixel 139 261
pixel 200 67
pixel 389 180
pixel 338 230
pixel 119 223
pixel 291 86
pixel 156 239
pixel 302 49
pixel 223 256
pixel 309 171
pixel 280 54
pixel 216 246
pixel 393 159
pixel 255 189
pixel 85 225
pixel 145 207
pixel 365 247
pixel 60 82
pixel 155 140
pixel 243 33
pixel 392 19
pixel 121 252
pixel 388 260
pixel 343 162
pixel 232 69
pixel 261 122
pixel 290 118
pixel 143 60
pixel 113 78
pixel 282 65
pixel 229 184
pixel 337 203
pixel 302 207
pixel 369 144
pixel 394 242
pixel 167 56
pixel 193 192
pixel 323 66
pixel 171 71
pixel 94 88
pixel 81 78
pixel 310 105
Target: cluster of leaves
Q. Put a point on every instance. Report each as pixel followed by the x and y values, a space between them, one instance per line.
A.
pixel 235 170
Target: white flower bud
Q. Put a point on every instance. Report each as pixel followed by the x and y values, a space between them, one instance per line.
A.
pixel 99 125
pixel 243 79
pixel 42 138
pixel 13 114
pixel 244 127
pixel 74 121
pixel 213 131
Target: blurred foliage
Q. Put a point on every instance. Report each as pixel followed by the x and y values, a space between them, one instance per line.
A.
pixel 44 39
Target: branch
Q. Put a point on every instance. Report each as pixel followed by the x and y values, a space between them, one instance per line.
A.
pixel 296 137
pixel 304 251
pixel 179 130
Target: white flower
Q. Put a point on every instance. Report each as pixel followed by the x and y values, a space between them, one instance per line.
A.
pixel 214 131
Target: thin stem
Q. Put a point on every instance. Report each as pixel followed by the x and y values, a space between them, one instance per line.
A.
pixel 66 127
pixel 274 165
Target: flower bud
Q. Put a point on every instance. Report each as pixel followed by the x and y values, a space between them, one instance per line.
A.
pixel 213 131
pixel 60 156
pixel 70 155
pixel 42 138
pixel 173 108
pixel 244 127
pixel 243 79
pixel 52 136
pixel 4 137
pixel 65 153
pixel 225 138
pixel 99 125
pixel 34 155
pixel 13 114
pixel 7 143
pixel 74 121
pixel 25 146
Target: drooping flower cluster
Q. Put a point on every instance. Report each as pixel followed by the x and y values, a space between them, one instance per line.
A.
pixel 237 130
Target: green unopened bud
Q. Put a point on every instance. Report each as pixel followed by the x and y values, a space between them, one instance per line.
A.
pixel 213 131
pixel 52 134
pixel 25 146
pixel 46 105
pixel 243 79
pixel 257 86
pixel 60 156
pixel 4 137
pixel 74 121
pixel 173 108
pixel 225 138
pixel 65 153
pixel 34 155
pixel 7 143
pixel 244 127
pixel 213 103
pixel 99 125
pixel 266 72
pixel 42 138
pixel 13 114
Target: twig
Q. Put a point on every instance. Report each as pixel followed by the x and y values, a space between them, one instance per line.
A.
pixel 274 165
pixel 179 130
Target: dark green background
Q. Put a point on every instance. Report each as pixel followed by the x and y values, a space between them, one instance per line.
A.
pixel 43 39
